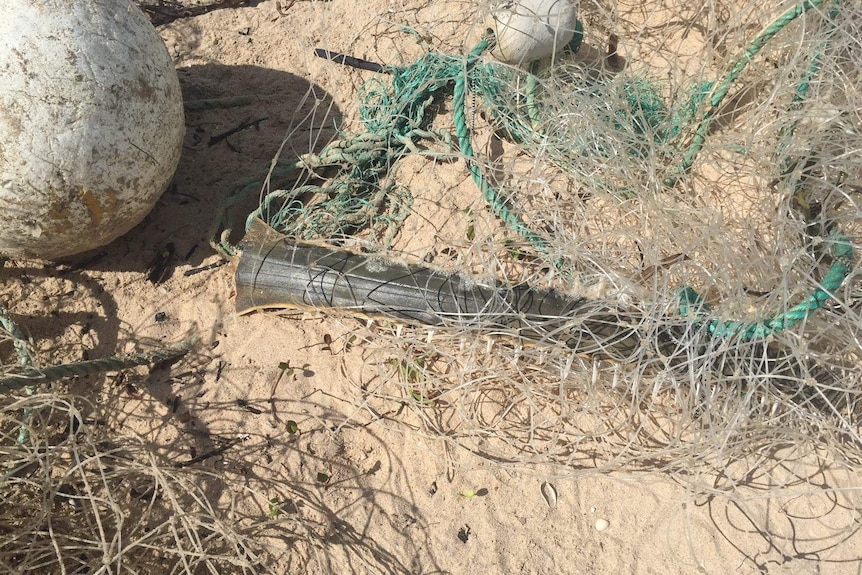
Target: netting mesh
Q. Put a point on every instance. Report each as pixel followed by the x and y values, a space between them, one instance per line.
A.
pixel 703 182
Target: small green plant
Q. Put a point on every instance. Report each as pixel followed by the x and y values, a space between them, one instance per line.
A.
pixel 348 345
pixel 291 372
pixel 470 493
pixel 284 369
pixel 471 227
pixel 514 250
pixel 274 508
pixel 419 397
pixel 412 372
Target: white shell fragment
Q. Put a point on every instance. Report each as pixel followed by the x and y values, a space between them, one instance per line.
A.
pixel 602 524
pixel 549 494
pixel 91 124
pixel 528 30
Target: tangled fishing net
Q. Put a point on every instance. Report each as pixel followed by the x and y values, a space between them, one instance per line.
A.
pixel 690 195
pixel 77 498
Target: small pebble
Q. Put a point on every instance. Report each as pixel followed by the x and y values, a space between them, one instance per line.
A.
pixel 602 524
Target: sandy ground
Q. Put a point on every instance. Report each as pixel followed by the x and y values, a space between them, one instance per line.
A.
pixel 395 501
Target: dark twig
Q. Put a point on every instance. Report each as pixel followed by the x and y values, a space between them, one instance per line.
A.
pixel 166 11
pixel 243 126
pixel 205 268
pixel 209 454
pixel 339 58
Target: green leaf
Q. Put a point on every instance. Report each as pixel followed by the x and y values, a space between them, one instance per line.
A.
pixel 274 508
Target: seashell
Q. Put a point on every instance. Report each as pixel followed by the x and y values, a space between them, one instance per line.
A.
pixel 549 494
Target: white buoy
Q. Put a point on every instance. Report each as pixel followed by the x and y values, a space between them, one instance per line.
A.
pixel 91 124
pixel 527 30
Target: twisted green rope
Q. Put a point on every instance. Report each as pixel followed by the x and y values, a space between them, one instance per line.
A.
pixel 25 358
pixel 19 342
pixel 723 87
pixel 462 131
pixel 692 304
pixel 397 119
pixel 842 249
pixel 31 375
pixel 396 122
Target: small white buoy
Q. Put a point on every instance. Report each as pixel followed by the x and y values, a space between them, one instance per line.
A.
pixel 527 30
pixel 602 524
pixel 91 124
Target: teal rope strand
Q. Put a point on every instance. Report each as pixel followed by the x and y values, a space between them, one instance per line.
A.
pixel 32 375
pixel 805 84
pixel 19 342
pixel 25 358
pixel 842 250
pixel 462 131
pixel 843 253
pixel 723 87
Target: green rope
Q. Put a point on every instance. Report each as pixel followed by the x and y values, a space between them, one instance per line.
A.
pixel 397 119
pixel 842 249
pixel 691 304
pixel 25 358
pixel 462 131
pixel 723 86
pixel 19 342
pixel 31 375
pixel 361 194
pixel 803 87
